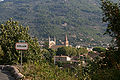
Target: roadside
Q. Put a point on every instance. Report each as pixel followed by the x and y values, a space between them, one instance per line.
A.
pixel 5 75
pixel 8 72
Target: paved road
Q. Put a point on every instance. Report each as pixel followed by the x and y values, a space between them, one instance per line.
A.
pixel 5 75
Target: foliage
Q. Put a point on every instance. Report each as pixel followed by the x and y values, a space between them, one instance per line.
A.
pixel 71 51
pixel 106 74
pixel 48 55
pixel 46 45
pixel 102 71
pixel 11 33
pixel 82 51
pixel 111 15
pixel 43 71
pixel 1 53
pixel 111 59
pixel 99 49
pixel 67 51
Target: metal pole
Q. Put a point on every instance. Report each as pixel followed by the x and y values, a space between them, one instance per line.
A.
pixel 21 59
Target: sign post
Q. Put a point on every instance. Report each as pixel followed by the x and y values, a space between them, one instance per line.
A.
pixel 21 46
pixel 20 52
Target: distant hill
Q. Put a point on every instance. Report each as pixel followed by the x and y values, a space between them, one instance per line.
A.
pixel 80 19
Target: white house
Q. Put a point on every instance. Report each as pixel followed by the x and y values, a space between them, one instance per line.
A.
pixel 61 59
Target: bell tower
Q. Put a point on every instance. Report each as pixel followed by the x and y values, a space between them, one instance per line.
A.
pixel 66 41
pixel 51 42
pixel 55 40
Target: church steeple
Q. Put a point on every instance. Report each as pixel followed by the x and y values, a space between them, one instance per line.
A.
pixel 66 41
pixel 49 41
pixel 55 40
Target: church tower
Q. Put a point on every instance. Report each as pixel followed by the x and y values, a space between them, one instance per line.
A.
pixel 49 41
pixel 55 40
pixel 66 41
pixel 52 42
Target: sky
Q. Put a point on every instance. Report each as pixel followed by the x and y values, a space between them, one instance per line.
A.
pixel 1 0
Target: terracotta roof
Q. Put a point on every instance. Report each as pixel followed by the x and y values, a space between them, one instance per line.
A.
pixel 75 61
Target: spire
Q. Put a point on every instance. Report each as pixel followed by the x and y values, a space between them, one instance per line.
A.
pixel 66 41
pixel 49 41
pixel 49 38
pixel 55 40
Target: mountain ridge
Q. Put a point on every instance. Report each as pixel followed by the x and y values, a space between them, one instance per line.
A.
pixel 80 19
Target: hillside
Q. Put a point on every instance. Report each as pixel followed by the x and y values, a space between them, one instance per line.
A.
pixel 80 19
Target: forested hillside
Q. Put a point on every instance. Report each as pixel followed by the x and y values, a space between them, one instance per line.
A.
pixel 80 19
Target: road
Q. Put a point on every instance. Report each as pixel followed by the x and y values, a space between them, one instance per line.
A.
pixel 5 75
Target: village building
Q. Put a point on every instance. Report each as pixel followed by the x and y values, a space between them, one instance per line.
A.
pixel 61 59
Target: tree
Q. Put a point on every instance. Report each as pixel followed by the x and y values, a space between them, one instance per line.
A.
pixel 12 32
pixel 1 53
pixel 67 51
pixel 46 45
pixel 99 49
pixel 48 54
pixel 82 51
pixel 111 15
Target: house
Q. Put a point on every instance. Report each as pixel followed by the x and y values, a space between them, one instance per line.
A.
pixel 61 59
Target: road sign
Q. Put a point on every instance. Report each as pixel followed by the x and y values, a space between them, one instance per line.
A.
pixel 21 46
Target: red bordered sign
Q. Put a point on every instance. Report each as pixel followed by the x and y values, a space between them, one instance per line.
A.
pixel 21 46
